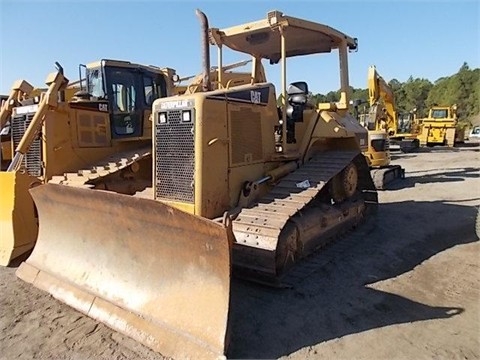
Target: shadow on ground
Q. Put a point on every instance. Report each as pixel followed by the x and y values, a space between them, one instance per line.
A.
pixel 335 300
pixel 452 175
pixel 471 146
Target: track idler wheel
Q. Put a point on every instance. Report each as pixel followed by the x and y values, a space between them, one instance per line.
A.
pixel 344 184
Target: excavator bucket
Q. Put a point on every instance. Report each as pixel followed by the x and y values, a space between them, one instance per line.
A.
pixel 18 224
pixel 145 269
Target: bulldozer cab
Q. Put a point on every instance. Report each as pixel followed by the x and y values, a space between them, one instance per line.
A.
pixel 442 113
pixel 126 91
pixel 276 39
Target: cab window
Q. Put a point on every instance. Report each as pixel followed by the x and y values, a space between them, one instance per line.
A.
pixel 154 88
pixel 439 114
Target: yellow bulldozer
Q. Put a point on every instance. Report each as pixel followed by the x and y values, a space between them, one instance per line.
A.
pixel 240 186
pixel 22 94
pixel 439 127
pixel 69 126
pixel 101 134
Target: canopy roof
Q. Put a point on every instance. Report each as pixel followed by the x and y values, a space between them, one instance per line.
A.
pixel 262 38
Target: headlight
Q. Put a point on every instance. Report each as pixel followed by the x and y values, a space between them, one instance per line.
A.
pixel 162 118
pixel 186 116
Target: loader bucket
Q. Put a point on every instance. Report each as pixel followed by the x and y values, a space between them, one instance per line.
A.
pixel 145 269
pixel 18 223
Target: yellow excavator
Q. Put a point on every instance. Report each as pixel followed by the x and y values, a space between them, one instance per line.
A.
pixel 384 116
pixel 102 133
pixel 381 113
pixel 439 128
pixel 238 184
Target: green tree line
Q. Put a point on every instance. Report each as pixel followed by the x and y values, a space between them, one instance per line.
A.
pixel 462 88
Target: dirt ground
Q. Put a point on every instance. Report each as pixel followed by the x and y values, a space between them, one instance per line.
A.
pixel 406 286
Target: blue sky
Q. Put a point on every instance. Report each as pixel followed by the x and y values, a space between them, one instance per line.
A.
pixel 428 39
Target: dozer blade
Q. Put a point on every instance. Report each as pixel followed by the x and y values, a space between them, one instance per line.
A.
pixel 18 223
pixel 152 272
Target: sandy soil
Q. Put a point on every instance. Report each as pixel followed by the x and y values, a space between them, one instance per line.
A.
pixel 406 286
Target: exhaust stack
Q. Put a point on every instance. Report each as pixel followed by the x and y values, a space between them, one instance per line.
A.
pixel 206 84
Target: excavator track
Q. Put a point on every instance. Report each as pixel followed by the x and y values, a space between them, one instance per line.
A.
pixel 113 164
pixel 383 176
pixel 262 230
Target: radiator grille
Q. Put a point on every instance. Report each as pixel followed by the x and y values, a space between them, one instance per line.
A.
pixel 246 135
pixel 32 160
pixel 175 158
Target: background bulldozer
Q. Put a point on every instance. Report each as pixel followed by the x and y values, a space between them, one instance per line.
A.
pixel 237 183
pixel 101 135
pixel 20 91
pixel 439 127
pixel 94 132
pixel 22 94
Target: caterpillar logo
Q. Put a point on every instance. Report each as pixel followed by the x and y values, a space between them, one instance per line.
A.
pixel 255 97
pixel 258 95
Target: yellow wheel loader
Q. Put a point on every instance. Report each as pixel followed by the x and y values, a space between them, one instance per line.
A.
pixel 238 184
pixel 102 134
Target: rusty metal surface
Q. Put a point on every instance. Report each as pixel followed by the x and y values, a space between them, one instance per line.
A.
pixel 152 272
pixel 260 226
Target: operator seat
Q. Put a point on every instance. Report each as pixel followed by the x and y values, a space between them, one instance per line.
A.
pixel 297 98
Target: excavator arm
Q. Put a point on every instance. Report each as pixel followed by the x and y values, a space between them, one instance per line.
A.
pixel 379 89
